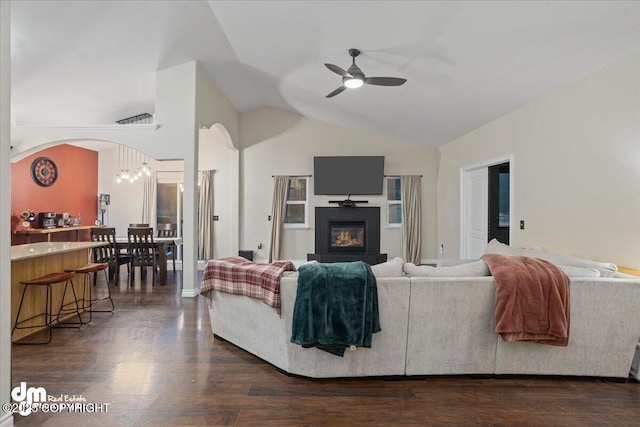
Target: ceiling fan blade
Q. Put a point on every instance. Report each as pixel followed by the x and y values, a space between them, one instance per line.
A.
pixel 385 81
pixel 337 70
pixel 337 91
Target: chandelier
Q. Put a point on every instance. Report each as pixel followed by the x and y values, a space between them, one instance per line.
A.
pixel 128 158
pixel 132 165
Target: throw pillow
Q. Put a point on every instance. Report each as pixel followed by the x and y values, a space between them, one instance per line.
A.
pixel 496 247
pixel 392 268
pixel 606 269
pixel 472 269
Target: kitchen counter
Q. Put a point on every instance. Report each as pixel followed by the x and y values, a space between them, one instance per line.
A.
pixel 37 259
pixel 32 250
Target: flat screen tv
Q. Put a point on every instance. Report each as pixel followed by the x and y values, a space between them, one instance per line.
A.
pixel 347 175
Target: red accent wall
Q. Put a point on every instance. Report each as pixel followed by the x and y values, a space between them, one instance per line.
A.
pixel 75 191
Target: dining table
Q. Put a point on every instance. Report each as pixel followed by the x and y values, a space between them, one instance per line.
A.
pixel 161 243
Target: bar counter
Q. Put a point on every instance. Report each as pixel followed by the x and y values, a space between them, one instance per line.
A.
pixel 37 259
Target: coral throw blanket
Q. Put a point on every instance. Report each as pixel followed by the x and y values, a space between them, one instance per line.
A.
pixel 532 299
pixel 239 276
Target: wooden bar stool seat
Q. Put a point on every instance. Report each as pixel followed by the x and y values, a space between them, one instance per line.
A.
pixel 88 303
pixel 48 281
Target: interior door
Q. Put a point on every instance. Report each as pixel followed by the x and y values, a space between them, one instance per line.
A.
pixel 476 212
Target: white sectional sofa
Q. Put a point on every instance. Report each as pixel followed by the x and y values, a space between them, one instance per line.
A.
pixel 451 330
pixel 444 325
pixel 257 328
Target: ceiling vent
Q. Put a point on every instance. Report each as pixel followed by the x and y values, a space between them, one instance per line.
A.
pixel 140 119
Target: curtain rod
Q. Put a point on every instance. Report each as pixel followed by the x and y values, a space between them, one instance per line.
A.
pixel 297 176
pixel 182 171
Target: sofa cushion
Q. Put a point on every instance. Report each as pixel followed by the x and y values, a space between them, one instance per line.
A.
pixel 579 271
pixel 454 262
pixel 606 269
pixel 620 275
pixel 391 268
pixel 471 269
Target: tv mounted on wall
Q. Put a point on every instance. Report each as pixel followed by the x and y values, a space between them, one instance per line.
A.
pixel 346 175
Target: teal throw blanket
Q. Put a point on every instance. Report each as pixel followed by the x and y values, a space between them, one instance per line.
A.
pixel 336 306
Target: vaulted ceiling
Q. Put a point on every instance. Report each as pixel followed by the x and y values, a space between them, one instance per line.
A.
pixel 467 63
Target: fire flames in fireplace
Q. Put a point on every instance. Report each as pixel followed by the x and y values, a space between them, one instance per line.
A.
pixel 345 239
pixel 347 235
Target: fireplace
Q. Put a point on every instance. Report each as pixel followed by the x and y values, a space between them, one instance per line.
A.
pixel 347 234
pixel 347 237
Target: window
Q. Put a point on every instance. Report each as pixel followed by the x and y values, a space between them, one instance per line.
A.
pixel 296 213
pixel 394 202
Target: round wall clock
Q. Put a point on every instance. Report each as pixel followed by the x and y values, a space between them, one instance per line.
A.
pixel 44 172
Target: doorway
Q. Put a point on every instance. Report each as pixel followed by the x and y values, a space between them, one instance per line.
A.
pixel 485 214
pixel 169 205
pixel 499 212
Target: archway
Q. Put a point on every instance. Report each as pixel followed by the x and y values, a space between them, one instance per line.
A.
pixel 217 152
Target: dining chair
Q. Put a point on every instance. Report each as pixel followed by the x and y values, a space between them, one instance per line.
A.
pixel 142 250
pixel 169 230
pixel 109 253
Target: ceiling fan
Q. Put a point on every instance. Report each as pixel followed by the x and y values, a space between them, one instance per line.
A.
pixel 354 77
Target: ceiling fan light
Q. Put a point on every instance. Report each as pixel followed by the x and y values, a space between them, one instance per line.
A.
pixel 353 83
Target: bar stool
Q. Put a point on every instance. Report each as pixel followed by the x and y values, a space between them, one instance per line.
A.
pixel 48 281
pixel 86 271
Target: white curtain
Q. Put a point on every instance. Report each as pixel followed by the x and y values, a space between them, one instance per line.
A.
pixel 411 196
pixel 278 207
pixel 149 204
pixel 205 219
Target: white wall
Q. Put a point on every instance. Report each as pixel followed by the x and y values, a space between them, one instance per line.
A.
pixel 576 168
pixel 216 155
pixel 6 419
pixel 215 111
pixel 279 143
pixel 126 198
pixel 213 106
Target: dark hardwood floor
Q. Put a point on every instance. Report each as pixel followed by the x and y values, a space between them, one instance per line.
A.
pixel 156 363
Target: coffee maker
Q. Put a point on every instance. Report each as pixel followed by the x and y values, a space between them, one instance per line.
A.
pixel 47 220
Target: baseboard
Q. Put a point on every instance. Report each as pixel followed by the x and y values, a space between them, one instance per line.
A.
pixel 190 293
pixel 6 420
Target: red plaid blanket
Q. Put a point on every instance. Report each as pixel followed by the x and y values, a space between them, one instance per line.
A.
pixel 239 276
